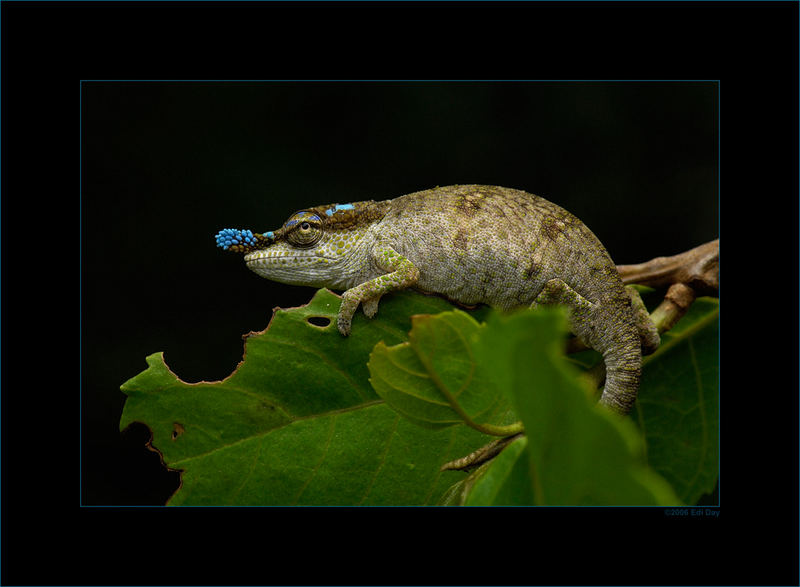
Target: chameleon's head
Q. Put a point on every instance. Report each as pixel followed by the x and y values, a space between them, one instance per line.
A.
pixel 314 247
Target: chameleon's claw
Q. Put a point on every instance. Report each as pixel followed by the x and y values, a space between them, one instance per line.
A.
pixel 350 301
pixel 344 325
pixel 348 307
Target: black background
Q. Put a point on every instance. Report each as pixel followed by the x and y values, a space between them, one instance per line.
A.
pixel 166 165
pixel 163 166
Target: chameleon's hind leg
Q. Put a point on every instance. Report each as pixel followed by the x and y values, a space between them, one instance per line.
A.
pixel 621 352
pixel 556 291
pixel 648 332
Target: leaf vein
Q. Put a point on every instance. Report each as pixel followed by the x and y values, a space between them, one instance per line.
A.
pixel 702 408
pixel 332 366
pixel 321 460
pixel 382 460
pixel 275 429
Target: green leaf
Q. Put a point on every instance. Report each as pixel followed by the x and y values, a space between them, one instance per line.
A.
pixel 677 409
pixel 678 405
pixel 577 452
pixel 298 422
pixel 434 379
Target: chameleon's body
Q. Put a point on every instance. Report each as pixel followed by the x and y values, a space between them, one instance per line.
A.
pixel 472 244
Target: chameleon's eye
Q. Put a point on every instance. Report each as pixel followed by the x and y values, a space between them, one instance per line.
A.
pixel 303 229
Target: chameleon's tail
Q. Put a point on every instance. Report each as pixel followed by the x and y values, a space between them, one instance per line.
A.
pixel 623 358
pixel 610 325
pixel 623 371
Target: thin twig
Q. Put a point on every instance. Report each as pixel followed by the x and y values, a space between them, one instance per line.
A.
pixel 480 456
pixel 686 276
pixel 698 268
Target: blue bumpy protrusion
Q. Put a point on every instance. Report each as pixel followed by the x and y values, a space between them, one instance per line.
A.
pixel 228 237
pixel 337 207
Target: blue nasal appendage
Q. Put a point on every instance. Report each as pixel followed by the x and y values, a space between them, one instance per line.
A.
pixel 228 237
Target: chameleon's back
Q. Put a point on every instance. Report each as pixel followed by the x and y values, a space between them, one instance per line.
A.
pixel 500 246
pixel 494 245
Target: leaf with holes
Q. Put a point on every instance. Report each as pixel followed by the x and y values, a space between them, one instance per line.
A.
pixel 297 422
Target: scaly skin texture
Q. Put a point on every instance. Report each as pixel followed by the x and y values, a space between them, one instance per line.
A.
pixel 472 244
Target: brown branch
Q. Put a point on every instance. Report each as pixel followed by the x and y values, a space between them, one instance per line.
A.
pixel 686 276
pixel 697 268
pixel 480 456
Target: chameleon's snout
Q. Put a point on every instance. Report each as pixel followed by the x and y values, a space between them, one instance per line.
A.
pixel 241 241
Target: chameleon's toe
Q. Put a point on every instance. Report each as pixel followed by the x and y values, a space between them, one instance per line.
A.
pixel 344 325
pixel 350 301
pixel 370 307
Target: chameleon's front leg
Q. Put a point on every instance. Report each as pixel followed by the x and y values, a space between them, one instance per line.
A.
pixel 400 274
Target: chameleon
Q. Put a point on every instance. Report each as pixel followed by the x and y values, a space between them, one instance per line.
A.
pixel 472 244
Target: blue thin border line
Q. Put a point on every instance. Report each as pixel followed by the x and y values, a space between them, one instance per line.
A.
pixel 80 294
pixel 402 80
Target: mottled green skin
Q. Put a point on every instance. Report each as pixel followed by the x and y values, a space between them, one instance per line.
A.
pixel 472 244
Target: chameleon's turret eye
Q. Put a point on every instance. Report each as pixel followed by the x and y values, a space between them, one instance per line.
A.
pixel 303 229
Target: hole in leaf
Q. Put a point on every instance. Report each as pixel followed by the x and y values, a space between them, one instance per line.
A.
pixel 177 430
pixel 321 321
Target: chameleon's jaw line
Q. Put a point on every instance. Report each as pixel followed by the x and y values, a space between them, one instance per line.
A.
pixel 292 268
pixel 263 257
pixel 283 267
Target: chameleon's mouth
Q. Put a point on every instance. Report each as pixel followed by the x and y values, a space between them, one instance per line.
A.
pixel 290 267
pixel 265 257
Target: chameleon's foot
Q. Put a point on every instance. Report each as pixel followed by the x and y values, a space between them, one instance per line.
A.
pixel 370 306
pixel 556 291
pixel 350 301
pixel 648 333
pixel 343 324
